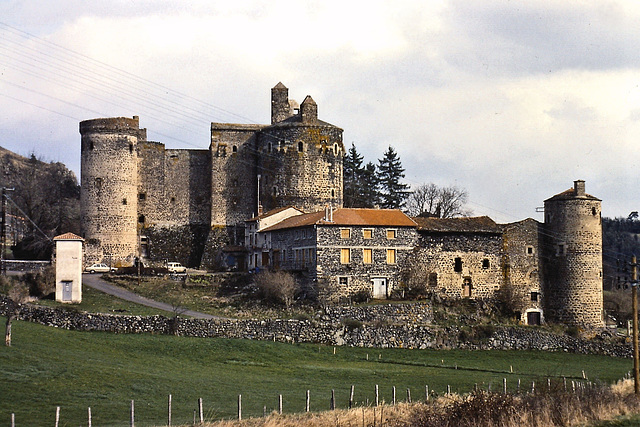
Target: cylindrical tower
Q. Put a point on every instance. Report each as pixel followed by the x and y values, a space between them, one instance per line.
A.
pixel 300 162
pixel 108 195
pixel 573 258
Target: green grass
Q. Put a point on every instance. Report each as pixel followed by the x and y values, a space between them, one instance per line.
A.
pixel 49 367
pixel 94 301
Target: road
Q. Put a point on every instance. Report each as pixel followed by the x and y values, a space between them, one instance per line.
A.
pixel 95 281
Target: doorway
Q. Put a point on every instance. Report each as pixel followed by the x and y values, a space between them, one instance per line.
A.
pixel 67 290
pixel 379 287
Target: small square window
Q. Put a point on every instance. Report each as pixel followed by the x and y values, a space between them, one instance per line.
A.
pixel 367 233
pixel 343 281
pixel 345 233
pixel 391 234
pixel 142 197
pixel 534 296
pixel 457 265
pixel 530 250
pixel 485 264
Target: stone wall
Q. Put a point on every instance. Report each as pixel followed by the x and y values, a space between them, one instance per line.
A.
pixel 24 266
pixel 330 331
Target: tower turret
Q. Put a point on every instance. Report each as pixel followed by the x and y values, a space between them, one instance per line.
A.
pixel 573 257
pixel 280 107
pixel 108 191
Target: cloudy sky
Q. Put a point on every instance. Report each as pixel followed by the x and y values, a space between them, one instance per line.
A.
pixel 511 100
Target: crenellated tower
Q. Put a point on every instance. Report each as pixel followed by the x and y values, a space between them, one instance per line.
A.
pixel 108 195
pixel 572 254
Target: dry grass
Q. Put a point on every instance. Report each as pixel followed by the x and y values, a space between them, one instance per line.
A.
pixel 547 408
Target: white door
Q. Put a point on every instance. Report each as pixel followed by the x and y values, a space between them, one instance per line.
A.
pixel 66 290
pixel 379 287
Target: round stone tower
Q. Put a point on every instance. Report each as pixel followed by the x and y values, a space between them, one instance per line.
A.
pixel 299 157
pixel 573 258
pixel 109 183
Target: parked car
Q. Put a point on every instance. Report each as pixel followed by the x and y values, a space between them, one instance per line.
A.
pixel 100 268
pixel 176 267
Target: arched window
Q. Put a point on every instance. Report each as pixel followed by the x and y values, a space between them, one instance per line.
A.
pixel 300 146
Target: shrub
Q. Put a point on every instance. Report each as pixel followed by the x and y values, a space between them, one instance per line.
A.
pixel 42 283
pixel 351 324
pixel 362 296
pixel 278 287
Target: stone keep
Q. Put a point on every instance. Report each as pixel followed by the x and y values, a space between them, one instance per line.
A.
pixel 572 258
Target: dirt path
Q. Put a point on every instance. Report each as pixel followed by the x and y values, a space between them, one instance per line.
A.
pixel 94 281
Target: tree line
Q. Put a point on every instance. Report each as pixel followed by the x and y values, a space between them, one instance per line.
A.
pixel 380 185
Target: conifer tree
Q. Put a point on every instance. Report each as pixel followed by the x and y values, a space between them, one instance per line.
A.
pixel 352 177
pixel 369 187
pixel 393 193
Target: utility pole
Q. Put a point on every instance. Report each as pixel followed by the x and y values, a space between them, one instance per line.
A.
pixel 634 302
pixel 3 232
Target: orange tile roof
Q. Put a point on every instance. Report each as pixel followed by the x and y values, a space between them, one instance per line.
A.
pixel 68 236
pixel 349 216
pixel 272 212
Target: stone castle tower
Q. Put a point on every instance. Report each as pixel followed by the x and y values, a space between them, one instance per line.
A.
pixel 109 194
pixel 140 199
pixel 572 258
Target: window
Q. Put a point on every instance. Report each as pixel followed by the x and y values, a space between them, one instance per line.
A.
pixel 300 147
pixel 560 250
pixel 433 279
pixel 270 147
pixel 141 219
pixel 98 182
pixel 131 148
pixel 173 200
pixel 333 193
pixel 457 265
pixel 367 256
pixel 467 287
pixel 345 256
pixel 391 256
pixel 124 201
pixel 142 197
pixel 345 233
pixel 367 233
pixel 391 234
pixel 91 145
pixel 343 281
pixel 534 296
pixel 530 250
pixel 234 149
pixel 485 263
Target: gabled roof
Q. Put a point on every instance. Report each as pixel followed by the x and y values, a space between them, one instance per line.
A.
pixel 272 212
pixel 478 224
pixel 68 236
pixel 349 217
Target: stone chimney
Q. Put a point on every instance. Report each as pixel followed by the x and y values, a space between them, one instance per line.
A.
pixel 578 188
pixel 280 107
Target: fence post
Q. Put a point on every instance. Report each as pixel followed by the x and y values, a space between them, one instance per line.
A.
pixel 89 415
pixel 448 389
pixel 200 414
pixel 408 395
pixel 13 419
pixel 306 407
pixel 393 395
pixel 333 399
pixel 351 396
pixel 376 395
pixel 280 404
pixel 239 407
pixel 169 412
pixel 426 393
pixel 533 386
pixel 132 418
pixel 504 385
pixel 57 415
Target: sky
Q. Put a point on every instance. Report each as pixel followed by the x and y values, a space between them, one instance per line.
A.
pixel 510 100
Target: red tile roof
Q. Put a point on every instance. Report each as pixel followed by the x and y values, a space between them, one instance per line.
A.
pixel 349 216
pixel 68 236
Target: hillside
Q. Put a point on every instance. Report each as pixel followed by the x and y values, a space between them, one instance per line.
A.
pixel 45 202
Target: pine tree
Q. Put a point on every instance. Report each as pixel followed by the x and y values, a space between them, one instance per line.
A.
pixel 369 187
pixel 352 176
pixel 393 193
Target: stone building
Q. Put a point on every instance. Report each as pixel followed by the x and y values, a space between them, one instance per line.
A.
pixel 142 200
pixel 68 261
pixel 345 250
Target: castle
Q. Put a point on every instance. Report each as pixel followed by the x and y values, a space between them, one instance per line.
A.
pixel 192 204
pixel 269 196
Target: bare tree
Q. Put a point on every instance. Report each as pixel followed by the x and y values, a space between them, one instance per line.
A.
pixel 443 202
pixel 17 294
pixel 278 286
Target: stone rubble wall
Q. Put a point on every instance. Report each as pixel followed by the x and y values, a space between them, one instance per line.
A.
pixel 328 332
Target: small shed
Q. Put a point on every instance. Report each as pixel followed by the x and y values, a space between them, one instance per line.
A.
pixel 68 259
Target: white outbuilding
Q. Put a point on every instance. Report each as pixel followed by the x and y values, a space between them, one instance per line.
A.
pixel 68 260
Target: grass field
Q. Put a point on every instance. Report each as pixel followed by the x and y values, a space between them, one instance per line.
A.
pixel 49 367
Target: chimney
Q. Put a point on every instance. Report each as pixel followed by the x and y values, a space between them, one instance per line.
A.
pixel 309 110
pixel 280 108
pixel 259 209
pixel 578 188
